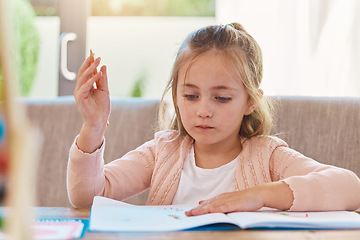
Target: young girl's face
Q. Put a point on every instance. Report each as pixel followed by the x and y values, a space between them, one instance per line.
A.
pixel 212 99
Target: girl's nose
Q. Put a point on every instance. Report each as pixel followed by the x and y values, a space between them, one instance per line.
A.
pixel 205 109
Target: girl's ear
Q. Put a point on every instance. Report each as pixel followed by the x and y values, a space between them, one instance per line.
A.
pixel 252 104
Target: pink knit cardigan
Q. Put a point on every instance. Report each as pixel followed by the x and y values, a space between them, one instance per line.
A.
pixel 157 165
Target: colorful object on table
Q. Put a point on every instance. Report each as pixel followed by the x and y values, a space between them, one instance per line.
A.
pixel 2 130
pixel 59 228
pixel 3 163
pixel 174 216
pixel 3 158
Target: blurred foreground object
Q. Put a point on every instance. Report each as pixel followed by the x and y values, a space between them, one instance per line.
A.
pixel 20 143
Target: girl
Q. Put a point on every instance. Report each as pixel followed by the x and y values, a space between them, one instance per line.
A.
pixel 218 152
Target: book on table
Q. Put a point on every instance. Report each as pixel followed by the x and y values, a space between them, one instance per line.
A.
pixel 59 228
pixel 54 229
pixel 109 215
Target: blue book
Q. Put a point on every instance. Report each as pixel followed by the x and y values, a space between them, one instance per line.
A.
pixel 59 228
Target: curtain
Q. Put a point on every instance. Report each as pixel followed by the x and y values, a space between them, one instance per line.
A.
pixel 310 47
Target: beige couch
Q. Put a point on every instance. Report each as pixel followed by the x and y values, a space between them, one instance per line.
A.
pixel 326 129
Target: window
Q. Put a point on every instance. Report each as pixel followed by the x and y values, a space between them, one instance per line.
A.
pixel 136 39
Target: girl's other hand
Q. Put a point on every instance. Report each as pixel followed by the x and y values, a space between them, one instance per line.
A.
pixel 239 201
pixel 274 195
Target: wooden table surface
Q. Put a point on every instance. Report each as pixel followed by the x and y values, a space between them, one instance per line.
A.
pixel 49 212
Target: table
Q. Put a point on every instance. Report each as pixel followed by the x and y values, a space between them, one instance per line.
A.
pixel 56 212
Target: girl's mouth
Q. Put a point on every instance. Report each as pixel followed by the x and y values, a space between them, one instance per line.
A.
pixel 204 127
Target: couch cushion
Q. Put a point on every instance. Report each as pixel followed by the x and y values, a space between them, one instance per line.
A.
pixel 326 129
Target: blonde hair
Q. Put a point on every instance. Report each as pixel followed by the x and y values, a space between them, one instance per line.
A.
pixel 244 55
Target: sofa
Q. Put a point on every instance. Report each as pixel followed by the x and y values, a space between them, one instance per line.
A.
pixel 323 128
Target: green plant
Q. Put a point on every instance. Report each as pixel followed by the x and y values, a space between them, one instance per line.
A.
pixel 26 44
pixel 139 86
pixel 153 8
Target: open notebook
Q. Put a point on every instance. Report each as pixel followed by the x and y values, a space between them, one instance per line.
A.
pixel 115 216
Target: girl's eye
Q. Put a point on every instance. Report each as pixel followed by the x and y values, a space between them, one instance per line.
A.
pixel 223 99
pixel 190 97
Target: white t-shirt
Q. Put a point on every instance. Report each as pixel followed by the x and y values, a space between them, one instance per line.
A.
pixel 201 184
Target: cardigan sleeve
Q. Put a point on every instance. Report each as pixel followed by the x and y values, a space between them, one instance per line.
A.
pixel 88 176
pixel 316 186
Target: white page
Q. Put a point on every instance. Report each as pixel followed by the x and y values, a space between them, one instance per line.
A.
pixel 148 218
pixel 104 201
pixel 112 216
pixel 307 220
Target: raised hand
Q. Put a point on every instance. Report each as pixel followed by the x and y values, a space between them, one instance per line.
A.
pixel 93 102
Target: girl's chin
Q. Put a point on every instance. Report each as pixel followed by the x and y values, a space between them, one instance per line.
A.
pixel 204 140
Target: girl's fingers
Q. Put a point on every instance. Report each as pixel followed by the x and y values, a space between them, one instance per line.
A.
pixel 85 65
pixel 87 73
pixel 225 202
pixel 246 200
pixel 84 90
pixel 102 83
pixel 92 59
pixel 204 209
pixel 201 210
pixel 91 69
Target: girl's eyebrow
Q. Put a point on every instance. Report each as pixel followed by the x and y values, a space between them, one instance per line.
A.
pixel 188 85
pixel 219 87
